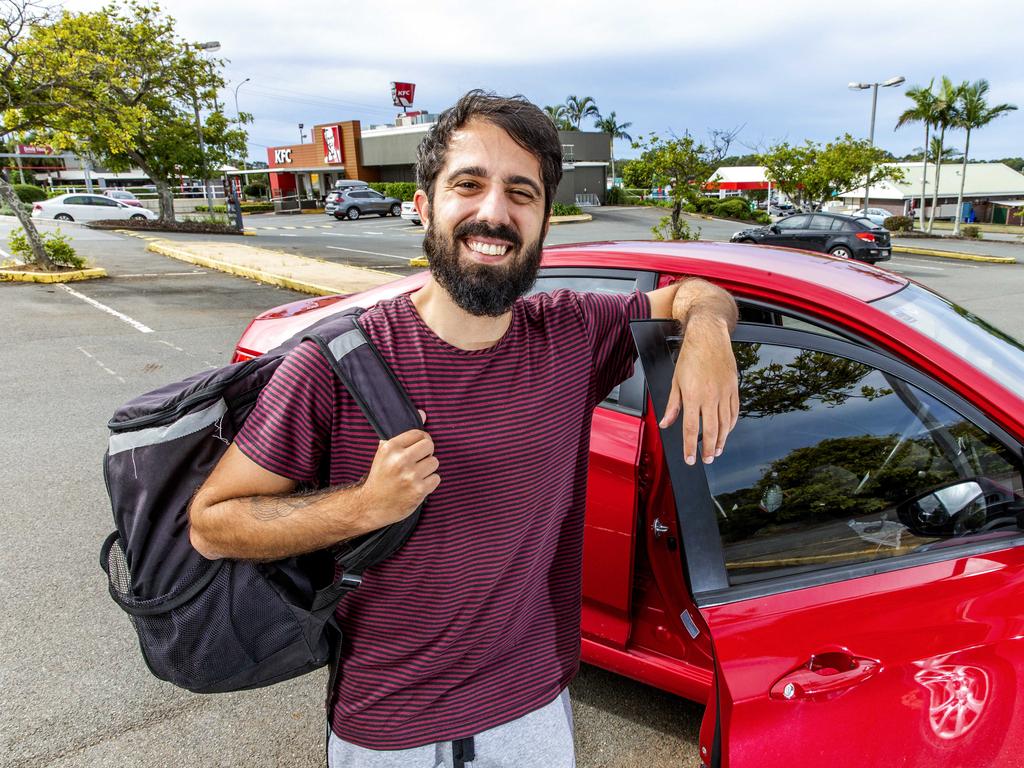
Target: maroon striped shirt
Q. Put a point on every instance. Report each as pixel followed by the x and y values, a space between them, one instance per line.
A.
pixel 475 621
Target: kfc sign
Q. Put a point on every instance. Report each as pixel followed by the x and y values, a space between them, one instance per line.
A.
pixel 332 145
pixel 282 156
pixel 402 93
pixel 28 149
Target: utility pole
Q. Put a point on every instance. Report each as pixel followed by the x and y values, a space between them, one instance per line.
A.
pixel 871 135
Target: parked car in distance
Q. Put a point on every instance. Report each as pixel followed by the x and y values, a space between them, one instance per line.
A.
pixel 854 557
pixel 80 207
pixel 353 202
pixel 846 237
pixel 123 196
pixel 876 215
pixel 409 212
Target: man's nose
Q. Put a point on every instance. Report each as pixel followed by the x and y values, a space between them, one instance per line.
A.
pixel 494 207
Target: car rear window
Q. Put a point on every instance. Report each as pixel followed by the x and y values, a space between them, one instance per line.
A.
pixel 869 223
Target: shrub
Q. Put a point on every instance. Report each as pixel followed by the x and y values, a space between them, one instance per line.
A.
pixel 255 190
pixel 56 245
pixel 246 208
pixel 972 231
pixel 706 204
pixel 761 217
pixel 733 208
pixel 899 224
pixel 29 193
pixel 403 190
pixel 562 209
pixel 665 231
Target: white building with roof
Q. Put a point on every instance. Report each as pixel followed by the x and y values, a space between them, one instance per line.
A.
pixel 992 191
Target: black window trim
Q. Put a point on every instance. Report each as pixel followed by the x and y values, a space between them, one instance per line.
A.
pixel 706 574
pixel 633 391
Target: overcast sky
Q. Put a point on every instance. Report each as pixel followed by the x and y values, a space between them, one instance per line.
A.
pixel 778 70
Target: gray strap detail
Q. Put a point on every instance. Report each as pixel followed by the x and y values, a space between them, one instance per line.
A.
pixel 186 425
pixel 345 343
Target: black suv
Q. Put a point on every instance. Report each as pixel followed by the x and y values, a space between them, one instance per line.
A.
pixel 849 237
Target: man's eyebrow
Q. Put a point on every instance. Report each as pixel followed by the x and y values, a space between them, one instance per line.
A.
pixel 469 170
pixel 525 181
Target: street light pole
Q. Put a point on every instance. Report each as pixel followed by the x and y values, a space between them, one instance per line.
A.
pixel 871 134
pixel 238 116
pixel 211 46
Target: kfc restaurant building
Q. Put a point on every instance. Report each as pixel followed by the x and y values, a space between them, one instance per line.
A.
pixel 309 171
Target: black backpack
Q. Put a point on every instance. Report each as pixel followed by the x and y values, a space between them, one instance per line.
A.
pixel 228 625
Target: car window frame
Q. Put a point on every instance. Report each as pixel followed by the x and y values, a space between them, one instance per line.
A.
pixel 632 391
pixel 698 524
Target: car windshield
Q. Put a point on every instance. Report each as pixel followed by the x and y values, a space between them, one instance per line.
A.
pixel 968 336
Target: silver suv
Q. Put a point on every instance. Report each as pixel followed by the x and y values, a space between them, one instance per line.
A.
pixel 353 202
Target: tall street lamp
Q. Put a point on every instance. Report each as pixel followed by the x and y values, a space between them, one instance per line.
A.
pixel 238 116
pixel 898 80
pixel 211 46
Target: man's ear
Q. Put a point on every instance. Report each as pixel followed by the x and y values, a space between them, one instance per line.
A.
pixel 422 207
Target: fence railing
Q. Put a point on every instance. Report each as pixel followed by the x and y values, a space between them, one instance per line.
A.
pixel 587 200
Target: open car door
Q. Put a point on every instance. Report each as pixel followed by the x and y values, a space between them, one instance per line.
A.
pixel 857 558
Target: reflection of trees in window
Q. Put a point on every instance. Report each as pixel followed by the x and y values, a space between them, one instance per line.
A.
pixel 776 388
pixel 839 478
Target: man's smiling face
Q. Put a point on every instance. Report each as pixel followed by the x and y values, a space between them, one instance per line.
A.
pixel 486 221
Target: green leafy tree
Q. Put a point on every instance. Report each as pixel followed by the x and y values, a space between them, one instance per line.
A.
pixel 129 93
pixel 637 174
pixel 615 130
pixel 924 110
pixel 579 108
pixel 973 112
pixel 557 116
pixel 812 173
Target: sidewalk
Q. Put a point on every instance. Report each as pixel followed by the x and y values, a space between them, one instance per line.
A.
pixel 299 273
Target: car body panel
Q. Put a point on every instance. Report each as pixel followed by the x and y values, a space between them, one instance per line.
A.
pixel 928 627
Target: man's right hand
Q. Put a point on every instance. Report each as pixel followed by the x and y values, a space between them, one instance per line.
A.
pixel 403 474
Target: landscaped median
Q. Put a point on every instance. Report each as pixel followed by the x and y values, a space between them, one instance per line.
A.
pixel 298 273
pixel 953 254
pixel 8 275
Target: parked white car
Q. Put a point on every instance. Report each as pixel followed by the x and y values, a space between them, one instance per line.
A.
pixel 409 213
pixel 78 207
pixel 876 215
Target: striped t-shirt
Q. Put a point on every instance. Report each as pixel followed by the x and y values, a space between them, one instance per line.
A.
pixel 476 620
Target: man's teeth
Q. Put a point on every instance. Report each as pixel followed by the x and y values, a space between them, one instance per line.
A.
pixel 487 248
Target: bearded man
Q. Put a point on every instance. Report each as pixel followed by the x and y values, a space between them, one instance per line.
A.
pixel 459 648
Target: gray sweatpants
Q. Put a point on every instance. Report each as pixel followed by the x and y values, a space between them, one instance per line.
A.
pixel 541 738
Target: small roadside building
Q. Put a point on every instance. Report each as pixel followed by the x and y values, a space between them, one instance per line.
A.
pixel 992 191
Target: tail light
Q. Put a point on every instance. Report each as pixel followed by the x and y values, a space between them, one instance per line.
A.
pixel 866 237
pixel 37 207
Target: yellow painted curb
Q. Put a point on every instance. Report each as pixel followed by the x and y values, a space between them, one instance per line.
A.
pixel 281 281
pixel 571 219
pixel 19 276
pixel 419 261
pixel 953 255
pixel 249 233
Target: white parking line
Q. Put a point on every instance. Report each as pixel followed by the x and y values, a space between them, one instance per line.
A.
pixel 371 253
pixel 285 234
pixel 103 307
pixel 368 232
pixel 917 265
pixel 101 365
pixel 342 234
pixel 957 266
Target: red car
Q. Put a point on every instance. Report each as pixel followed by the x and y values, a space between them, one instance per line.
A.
pixel 845 585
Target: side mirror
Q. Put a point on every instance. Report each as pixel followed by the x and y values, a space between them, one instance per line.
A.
pixel 774 229
pixel 949 510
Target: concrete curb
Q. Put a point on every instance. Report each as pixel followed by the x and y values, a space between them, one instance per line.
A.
pixel 571 219
pixel 20 276
pixel 953 255
pixel 165 248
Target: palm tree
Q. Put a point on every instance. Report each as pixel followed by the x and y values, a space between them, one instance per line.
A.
pixel 937 154
pixel 557 115
pixel 945 118
pixel 615 131
pixel 973 112
pixel 576 109
pixel 923 111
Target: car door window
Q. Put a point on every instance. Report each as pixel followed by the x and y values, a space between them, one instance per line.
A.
pixel 374 195
pixel 793 222
pixel 104 201
pixel 820 223
pixel 834 462
pixel 838 225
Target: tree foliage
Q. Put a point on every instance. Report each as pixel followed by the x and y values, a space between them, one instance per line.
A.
pixel 125 91
pixel 812 173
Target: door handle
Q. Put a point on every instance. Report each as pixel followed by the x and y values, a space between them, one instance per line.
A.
pixel 825 673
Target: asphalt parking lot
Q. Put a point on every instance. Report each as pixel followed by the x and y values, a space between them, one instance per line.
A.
pixel 76 690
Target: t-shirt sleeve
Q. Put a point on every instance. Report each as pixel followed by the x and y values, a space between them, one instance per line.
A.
pixel 607 316
pixel 289 427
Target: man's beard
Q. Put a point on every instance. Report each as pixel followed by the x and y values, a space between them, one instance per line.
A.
pixel 481 289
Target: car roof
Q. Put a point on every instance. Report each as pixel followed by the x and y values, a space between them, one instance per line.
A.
pixel 738 263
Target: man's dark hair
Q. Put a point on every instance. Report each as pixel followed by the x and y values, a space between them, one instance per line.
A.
pixel 527 125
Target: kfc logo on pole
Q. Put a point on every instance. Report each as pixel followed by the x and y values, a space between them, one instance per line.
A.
pixel 332 144
pixel 402 94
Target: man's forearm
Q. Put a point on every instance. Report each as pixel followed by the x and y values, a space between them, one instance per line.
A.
pixel 273 527
pixel 696 298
